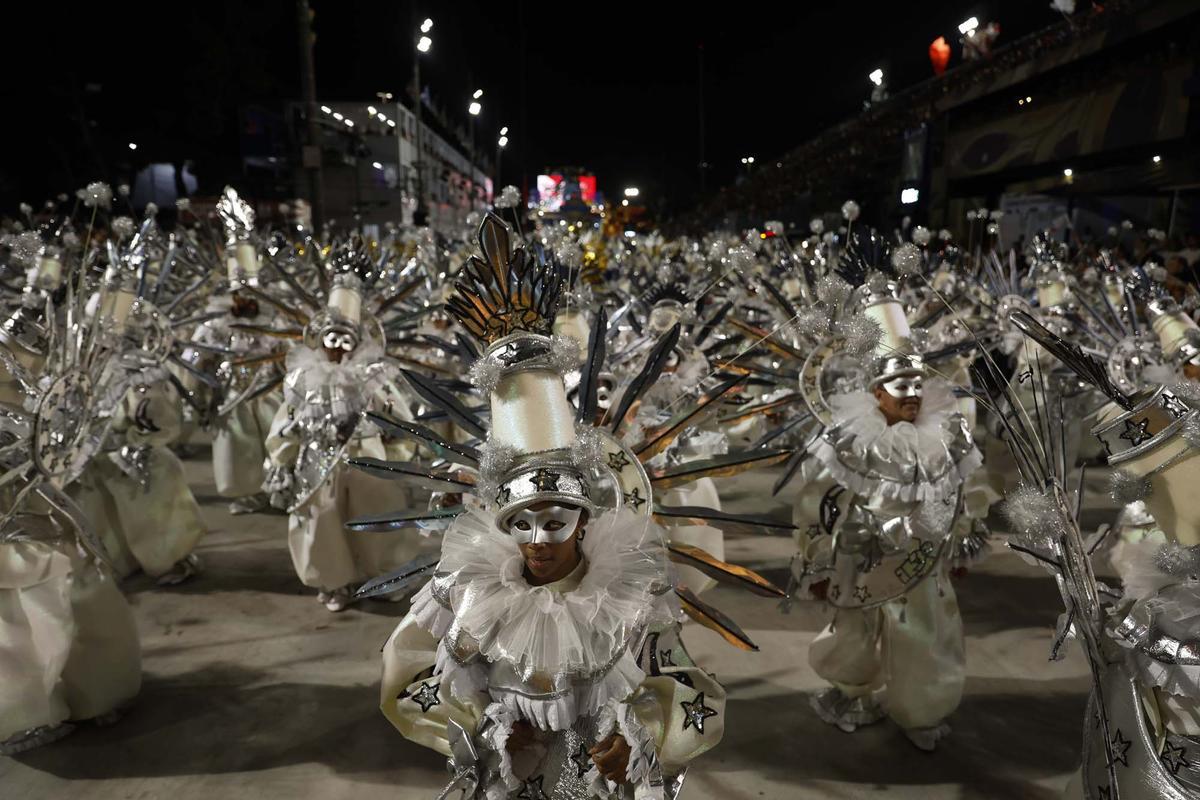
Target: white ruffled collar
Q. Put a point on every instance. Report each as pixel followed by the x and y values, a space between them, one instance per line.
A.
pixel 858 413
pixel 556 629
pixel 908 461
pixel 317 387
pixel 316 369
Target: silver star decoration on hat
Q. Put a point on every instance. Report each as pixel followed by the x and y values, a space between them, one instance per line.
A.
pixel 618 460
pixel 634 498
pixel 504 495
pixel 1136 432
pixel 1120 749
pixel 532 790
pixel 581 759
pixel 427 697
pixel 509 354
pixel 1174 757
pixel 1175 406
pixel 545 480
pixel 861 594
pixel 695 713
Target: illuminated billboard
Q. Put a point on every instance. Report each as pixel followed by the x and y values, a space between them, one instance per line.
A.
pixel 556 191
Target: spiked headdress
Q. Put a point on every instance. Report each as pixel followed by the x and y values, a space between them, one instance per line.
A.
pixel 538 447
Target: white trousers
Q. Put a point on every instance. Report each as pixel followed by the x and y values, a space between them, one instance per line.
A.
pixel 911 648
pixel 239 447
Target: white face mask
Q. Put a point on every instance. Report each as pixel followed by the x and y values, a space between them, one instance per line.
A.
pixel 604 395
pixel 904 386
pixel 336 340
pixel 553 525
pixel 661 319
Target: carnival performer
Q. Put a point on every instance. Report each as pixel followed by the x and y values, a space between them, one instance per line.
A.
pixel 136 493
pixel 338 371
pixel 1142 726
pixel 69 649
pixel 886 476
pixel 543 657
pixel 240 433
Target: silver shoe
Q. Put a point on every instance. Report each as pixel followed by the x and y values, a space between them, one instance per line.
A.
pixel 927 738
pixel 338 600
pixel 847 714
pixel 185 568
pixel 34 737
pixel 250 504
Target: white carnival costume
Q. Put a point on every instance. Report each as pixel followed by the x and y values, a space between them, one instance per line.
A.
pixel 321 422
pixel 136 494
pixel 68 643
pixel 593 654
pixel 251 399
pixel 1141 733
pixel 880 501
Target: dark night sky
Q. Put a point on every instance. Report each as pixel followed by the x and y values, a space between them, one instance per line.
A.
pixel 613 87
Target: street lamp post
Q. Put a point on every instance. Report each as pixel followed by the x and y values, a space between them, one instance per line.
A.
pixel 501 143
pixel 474 109
pixel 424 43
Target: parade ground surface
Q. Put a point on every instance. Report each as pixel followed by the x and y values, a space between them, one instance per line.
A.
pixel 253 690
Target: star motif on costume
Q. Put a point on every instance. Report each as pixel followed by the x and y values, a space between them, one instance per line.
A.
pixel 545 480
pixel 634 498
pixel 695 713
pixel 508 355
pixel 427 697
pixel 666 658
pixel 683 679
pixel 835 592
pixel 1136 432
pixel 1175 406
pixel 504 495
pixel 861 593
pixel 1174 757
pixel 618 460
pixel 532 790
pixel 1120 749
pixel 581 759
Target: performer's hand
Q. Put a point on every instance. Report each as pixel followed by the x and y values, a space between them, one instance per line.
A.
pixel 520 737
pixel 819 589
pixel 611 757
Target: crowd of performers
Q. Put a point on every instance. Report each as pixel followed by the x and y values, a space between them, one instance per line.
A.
pixel 516 430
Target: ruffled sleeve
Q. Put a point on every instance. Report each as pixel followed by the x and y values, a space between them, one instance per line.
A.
pixel 411 693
